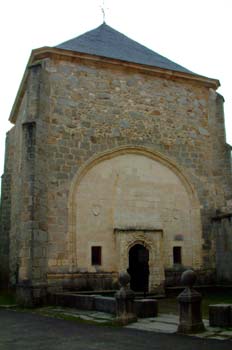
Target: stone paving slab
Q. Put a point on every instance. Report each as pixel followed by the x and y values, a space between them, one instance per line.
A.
pixel 227 333
pixel 167 318
pixel 217 337
pixel 166 323
pixel 153 327
pixel 213 329
pixel 96 316
pixel 205 334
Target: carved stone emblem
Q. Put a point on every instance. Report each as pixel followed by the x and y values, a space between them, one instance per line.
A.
pixel 96 209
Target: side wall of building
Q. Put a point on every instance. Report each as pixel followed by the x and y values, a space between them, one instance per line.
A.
pixel 5 212
pixel 27 181
pixel 222 225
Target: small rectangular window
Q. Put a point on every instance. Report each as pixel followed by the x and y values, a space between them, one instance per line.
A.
pixel 177 255
pixel 96 255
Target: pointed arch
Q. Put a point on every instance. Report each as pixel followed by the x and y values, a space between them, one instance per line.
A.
pixel 108 155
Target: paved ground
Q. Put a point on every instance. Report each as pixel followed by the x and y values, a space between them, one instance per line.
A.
pixel 163 323
pixel 31 331
pixel 167 323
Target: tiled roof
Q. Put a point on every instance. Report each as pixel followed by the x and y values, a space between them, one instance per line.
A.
pixel 107 42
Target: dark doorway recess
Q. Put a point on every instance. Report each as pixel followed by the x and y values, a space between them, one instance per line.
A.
pixel 177 255
pixel 139 268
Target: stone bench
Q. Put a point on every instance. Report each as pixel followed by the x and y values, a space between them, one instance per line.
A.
pixel 220 315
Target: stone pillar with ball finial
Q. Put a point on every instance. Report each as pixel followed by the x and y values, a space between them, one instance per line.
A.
pixel 190 305
pixel 125 306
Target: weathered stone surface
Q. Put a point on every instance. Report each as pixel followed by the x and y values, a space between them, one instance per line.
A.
pixel 222 228
pixel 143 307
pixel 149 149
pixel 190 306
pixel 146 308
pixel 105 304
pixel 220 315
pixel 125 306
pixel 81 302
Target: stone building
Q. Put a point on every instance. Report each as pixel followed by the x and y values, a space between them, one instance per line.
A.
pixel 117 160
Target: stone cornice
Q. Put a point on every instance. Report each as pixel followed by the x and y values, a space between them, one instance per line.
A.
pixel 59 54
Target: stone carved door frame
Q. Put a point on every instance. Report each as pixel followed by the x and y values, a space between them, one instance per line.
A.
pixel 152 240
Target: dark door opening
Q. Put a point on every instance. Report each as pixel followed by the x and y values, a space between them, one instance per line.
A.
pixel 139 268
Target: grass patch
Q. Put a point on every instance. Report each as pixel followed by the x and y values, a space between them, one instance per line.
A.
pixel 214 299
pixel 64 315
pixel 60 315
pixel 7 297
pixel 170 305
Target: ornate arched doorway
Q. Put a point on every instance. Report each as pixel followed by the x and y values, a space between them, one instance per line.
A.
pixel 139 268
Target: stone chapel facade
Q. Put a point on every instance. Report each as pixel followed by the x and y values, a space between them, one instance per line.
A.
pixel 117 160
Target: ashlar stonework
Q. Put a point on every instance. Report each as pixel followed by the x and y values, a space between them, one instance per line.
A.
pixel 107 153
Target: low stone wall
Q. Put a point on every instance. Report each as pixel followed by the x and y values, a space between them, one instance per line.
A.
pixel 82 281
pixel 204 276
pixel 144 307
pixel 83 301
pixel 220 315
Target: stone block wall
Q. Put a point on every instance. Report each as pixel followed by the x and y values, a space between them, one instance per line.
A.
pixel 76 109
pixel 221 172
pixel 94 108
pixel 27 236
pixel 222 228
pixel 5 215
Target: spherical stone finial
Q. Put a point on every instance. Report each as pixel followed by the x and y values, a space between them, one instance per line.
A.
pixel 124 278
pixel 188 278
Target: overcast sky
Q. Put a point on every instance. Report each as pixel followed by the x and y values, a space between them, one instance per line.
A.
pixel 194 33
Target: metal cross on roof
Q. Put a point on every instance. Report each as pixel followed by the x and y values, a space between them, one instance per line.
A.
pixel 103 10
